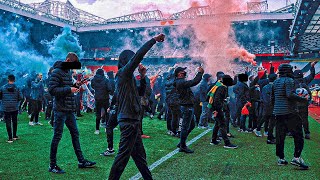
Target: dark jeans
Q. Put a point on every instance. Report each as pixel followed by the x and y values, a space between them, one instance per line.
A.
pixel 243 120
pixel 303 113
pixel 49 110
pixel 197 112
pixel 239 107
pixel 187 116
pixel 68 118
pixel 168 118
pixel 36 108
pixel 78 103
pixel 272 124
pixel 27 102
pixel 264 120
pixel 99 105
pixel 220 125
pixel 289 123
pixel 11 118
pixel 206 114
pixel 175 118
pixel 130 145
pixel 111 124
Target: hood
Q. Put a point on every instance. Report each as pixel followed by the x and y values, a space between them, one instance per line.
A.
pixel 99 77
pixel 57 64
pixel 272 77
pixel 100 72
pixel 10 87
pixel 298 74
pixel 124 58
pixel 110 74
pixel 285 70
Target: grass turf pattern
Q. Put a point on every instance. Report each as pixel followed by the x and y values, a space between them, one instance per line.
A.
pixel 28 158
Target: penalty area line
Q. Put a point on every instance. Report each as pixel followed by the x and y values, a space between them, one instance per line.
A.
pixel 168 156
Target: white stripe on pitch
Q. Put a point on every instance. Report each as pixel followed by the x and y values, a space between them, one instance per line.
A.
pixel 168 156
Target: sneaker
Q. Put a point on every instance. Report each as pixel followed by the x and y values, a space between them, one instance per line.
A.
pixel 265 134
pixel 16 138
pixel 214 142
pixel 86 164
pixel 186 150
pixel 79 115
pixel 39 124
pixel 97 132
pixel 56 169
pixel 257 133
pixel 282 162
pixel 230 146
pixel 31 123
pixel 250 130
pixel 10 141
pixel 289 134
pixel 151 116
pixel 108 152
pixel 145 136
pixel 299 162
pixel 170 133
pixel 307 136
pixel 271 141
pixel 29 116
pixel 240 130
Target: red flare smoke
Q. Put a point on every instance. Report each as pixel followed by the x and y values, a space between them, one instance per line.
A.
pixel 243 55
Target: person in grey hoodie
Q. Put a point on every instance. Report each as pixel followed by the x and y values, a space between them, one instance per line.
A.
pixel 129 111
pixel 11 97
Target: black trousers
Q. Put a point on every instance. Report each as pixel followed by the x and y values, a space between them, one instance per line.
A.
pixel 175 117
pixel 272 124
pixel 11 118
pixel 264 120
pixel 303 113
pixel 111 124
pixel 49 109
pixel 36 108
pixel 168 118
pixel 197 112
pixel 130 145
pixel 78 103
pixel 289 123
pixel 99 105
pixel 220 124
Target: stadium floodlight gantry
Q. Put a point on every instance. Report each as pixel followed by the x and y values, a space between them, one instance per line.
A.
pixel 305 30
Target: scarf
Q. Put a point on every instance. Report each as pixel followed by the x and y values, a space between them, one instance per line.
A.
pixel 212 92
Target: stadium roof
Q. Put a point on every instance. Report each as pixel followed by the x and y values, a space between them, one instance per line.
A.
pixel 305 31
pixel 62 14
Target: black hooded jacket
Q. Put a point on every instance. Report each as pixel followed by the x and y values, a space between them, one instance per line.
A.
pixel 186 96
pixel 129 105
pixel 60 84
pixel 101 85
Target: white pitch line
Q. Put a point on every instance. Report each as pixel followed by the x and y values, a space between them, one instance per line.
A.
pixel 168 156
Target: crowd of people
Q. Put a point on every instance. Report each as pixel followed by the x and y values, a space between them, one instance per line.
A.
pixel 273 100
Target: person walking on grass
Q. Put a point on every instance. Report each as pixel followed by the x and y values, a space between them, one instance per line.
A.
pixel 11 97
pixel 287 119
pixel 37 95
pixel 129 111
pixel 217 97
pixel 102 90
pixel 62 89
